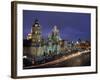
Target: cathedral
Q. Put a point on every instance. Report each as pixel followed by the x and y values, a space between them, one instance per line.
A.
pixel 39 46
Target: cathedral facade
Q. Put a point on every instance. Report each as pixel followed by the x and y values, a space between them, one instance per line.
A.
pixel 39 46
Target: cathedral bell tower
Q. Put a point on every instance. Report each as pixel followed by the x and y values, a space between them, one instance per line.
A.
pixel 36 33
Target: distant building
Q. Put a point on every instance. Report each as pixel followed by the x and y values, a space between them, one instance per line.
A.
pixel 82 44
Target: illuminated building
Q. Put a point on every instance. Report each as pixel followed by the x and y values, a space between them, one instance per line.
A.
pixel 53 41
pixel 82 44
pixel 38 46
pixel 36 33
pixel 32 46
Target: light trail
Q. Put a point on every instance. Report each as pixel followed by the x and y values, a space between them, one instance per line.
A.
pixel 63 58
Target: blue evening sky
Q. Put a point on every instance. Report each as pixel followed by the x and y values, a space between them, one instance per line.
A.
pixel 72 26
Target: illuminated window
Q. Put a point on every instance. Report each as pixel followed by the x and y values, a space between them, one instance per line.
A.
pixel 36 32
pixel 36 25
